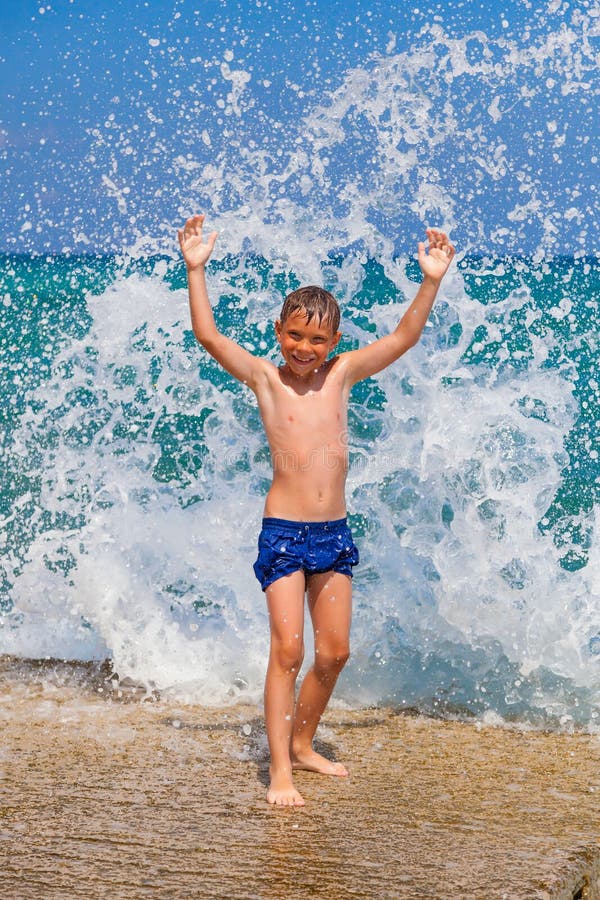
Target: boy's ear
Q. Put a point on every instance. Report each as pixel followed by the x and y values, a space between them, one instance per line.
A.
pixel 278 329
pixel 336 339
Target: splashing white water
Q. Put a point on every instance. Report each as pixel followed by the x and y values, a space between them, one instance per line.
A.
pixel 448 482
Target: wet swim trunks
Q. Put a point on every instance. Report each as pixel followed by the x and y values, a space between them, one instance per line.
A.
pixel 285 547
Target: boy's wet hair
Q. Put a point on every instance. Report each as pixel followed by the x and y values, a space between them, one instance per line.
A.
pixel 314 301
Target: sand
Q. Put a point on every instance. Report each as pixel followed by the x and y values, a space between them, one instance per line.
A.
pixel 107 796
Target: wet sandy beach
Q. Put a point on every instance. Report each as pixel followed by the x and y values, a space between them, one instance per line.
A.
pixel 125 798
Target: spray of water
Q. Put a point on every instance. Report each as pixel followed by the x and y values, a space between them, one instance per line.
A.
pixel 144 467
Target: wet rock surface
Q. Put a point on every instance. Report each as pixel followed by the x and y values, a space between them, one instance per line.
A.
pixel 151 798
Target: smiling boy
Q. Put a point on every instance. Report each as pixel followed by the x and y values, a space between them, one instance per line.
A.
pixel 305 545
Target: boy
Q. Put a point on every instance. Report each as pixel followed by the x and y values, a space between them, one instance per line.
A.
pixel 305 545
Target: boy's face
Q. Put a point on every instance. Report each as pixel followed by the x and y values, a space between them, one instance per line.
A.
pixel 305 345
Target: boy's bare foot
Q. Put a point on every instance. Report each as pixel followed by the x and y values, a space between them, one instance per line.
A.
pixel 313 762
pixel 282 791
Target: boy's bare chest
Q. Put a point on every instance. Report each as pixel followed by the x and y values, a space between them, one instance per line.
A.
pixel 319 413
pixel 309 412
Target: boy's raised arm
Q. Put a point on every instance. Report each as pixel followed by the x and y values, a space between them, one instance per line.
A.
pixel 434 263
pixel 196 253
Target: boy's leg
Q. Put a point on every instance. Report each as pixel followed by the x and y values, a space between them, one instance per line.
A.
pixel 285 599
pixel 330 604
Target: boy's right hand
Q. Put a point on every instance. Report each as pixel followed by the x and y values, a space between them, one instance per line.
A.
pixel 195 251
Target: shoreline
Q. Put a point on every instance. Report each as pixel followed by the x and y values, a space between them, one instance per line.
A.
pixel 97 678
pixel 159 799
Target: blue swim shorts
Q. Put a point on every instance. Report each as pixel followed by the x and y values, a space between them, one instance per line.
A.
pixel 285 547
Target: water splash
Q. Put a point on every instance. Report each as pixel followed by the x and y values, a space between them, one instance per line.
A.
pixel 483 129
pixel 146 469
pixel 137 469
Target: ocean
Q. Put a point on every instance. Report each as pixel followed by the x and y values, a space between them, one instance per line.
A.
pixel 134 471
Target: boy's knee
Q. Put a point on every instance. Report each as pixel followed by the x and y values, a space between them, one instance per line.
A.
pixel 332 658
pixel 289 655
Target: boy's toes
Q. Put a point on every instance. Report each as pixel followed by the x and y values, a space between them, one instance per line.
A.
pixel 293 799
pixel 283 793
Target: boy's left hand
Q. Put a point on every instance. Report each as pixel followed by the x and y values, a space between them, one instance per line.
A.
pixel 434 264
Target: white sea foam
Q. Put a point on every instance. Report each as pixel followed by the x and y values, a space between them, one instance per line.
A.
pixel 455 571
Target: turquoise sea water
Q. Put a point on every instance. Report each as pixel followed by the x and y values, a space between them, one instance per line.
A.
pixel 134 470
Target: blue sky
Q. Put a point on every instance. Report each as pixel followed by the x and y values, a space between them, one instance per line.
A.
pixel 102 102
